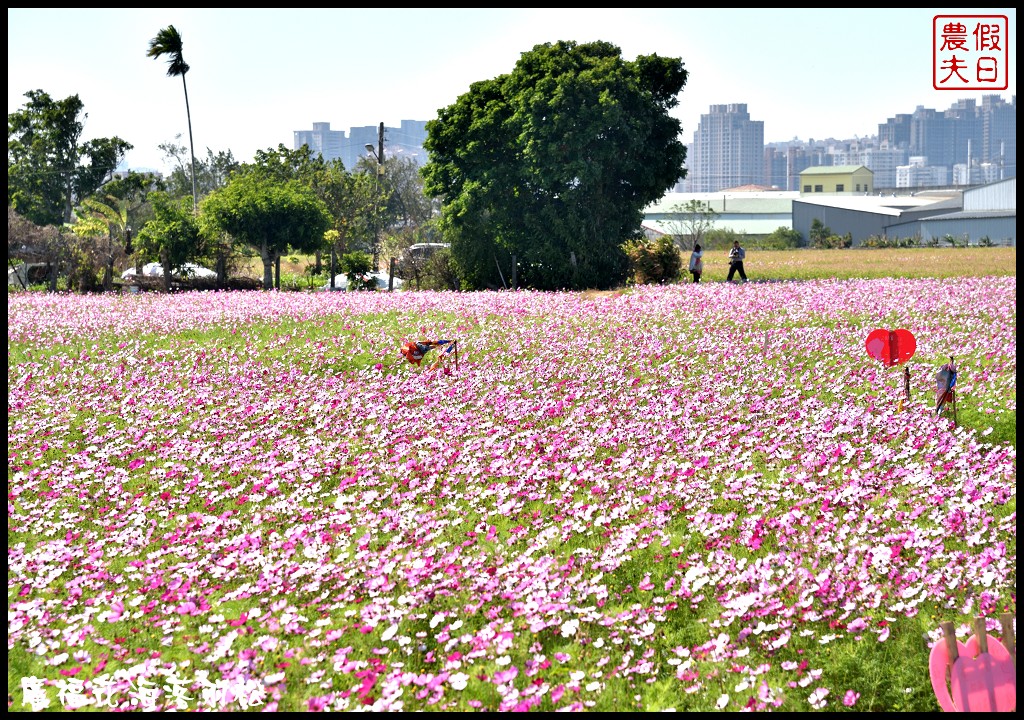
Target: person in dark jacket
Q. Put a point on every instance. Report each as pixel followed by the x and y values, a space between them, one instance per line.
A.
pixel 736 257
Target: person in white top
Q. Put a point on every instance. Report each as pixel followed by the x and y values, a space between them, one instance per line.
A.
pixel 736 256
pixel 696 263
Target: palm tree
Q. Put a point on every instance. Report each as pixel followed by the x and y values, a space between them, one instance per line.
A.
pixel 168 42
pixel 113 212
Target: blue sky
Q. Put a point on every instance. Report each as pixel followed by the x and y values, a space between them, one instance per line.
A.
pixel 258 75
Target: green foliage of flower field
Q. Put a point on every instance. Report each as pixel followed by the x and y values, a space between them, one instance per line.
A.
pixel 689 497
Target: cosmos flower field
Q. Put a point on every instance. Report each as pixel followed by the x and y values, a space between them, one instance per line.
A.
pixel 685 497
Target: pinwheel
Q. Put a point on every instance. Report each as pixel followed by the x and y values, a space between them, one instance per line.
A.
pixel 945 387
pixel 414 351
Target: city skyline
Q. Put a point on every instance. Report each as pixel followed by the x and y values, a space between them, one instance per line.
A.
pixel 258 76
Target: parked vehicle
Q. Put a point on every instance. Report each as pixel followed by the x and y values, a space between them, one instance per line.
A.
pixel 380 278
pixel 421 252
pixel 155 269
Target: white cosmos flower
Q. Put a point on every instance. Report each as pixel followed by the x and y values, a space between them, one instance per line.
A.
pixel 458 681
pixel 723 700
pixel 389 633
pixel 817 698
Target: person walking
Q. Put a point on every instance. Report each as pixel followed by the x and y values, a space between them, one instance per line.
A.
pixel 696 263
pixel 736 257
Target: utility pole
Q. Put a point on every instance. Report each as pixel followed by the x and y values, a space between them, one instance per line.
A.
pixel 380 188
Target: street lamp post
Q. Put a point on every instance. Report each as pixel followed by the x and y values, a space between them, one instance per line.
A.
pixel 378 154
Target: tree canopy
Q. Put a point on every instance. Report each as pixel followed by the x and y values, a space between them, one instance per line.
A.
pixel 48 169
pixel 211 173
pixel 174 234
pixel 553 164
pixel 268 214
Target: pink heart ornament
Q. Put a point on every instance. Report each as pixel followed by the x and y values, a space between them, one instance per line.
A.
pixel 978 682
pixel 984 682
pixel 938 665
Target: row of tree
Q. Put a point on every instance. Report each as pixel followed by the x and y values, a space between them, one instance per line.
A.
pixel 284 201
pixel 540 175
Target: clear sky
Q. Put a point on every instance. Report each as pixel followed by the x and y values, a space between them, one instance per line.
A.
pixel 259 75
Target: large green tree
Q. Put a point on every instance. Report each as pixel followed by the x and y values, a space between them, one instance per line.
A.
pixel 356 201
pixel 174 234
pixel 168 42
pixel 49 169
pixel 554 163
pixel 269 215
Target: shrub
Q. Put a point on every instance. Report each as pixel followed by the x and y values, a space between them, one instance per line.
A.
pixel 782 238
pixel 439 272
pixel 881 241
pixel 653 261
pixel 358 265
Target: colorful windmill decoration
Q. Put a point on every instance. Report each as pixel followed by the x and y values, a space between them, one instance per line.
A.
pixel 416 350
pixel 945 387
pixel 891 348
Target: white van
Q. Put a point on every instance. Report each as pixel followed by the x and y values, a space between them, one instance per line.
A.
pixel 421 252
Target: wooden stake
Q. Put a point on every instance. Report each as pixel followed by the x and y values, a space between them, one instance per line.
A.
pixel 981 633
pixel 950 634
pixel 1009 642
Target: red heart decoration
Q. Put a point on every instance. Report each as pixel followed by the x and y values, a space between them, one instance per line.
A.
pixel 891 347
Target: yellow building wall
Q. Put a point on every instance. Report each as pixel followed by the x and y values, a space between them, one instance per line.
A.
pixel 856 183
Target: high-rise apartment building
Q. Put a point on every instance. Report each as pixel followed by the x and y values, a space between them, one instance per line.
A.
pixel 322 140
pixel 999 134
pixel 727 150
pixel 895 131
pixel 883 161
pixel 969 140
pixel 404 141
pixel 928 136
pixel 965 135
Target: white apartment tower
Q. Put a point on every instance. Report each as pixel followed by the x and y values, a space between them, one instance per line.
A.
pixel 727 150
pixel 322 140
